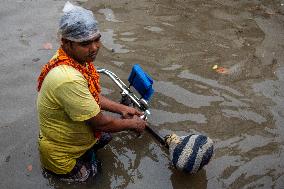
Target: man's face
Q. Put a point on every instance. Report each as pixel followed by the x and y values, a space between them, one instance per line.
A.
pixel 84 51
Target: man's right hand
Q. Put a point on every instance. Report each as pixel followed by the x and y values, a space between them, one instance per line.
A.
pixel 138 124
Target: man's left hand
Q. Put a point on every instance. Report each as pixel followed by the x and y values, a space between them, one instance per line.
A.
pixel 129 112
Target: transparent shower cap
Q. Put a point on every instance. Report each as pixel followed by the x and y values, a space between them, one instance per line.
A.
pixel 77 24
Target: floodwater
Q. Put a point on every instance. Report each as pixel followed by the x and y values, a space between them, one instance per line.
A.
pixel 178 43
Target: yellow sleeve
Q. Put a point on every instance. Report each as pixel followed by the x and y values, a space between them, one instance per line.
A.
pixel 76 100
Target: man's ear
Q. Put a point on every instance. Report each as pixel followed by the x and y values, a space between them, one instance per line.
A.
pixel 66 43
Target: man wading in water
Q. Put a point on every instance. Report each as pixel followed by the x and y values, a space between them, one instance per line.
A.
pixel 69 103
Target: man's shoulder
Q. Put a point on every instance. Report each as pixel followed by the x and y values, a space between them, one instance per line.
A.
pixel 64 73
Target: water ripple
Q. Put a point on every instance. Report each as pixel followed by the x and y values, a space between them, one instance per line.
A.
pixel 184 96
pixel 109 15
pixel 187 75
pixel 160 117
pixel 108 42
pixel 244 115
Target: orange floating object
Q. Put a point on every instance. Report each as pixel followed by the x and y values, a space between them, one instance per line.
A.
pixel 47 46
pixel 222 70
pixel 29 168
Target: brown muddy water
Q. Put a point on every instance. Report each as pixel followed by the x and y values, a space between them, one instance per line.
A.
pixel 177 42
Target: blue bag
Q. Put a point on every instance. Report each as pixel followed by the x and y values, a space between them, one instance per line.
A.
pixel 141 81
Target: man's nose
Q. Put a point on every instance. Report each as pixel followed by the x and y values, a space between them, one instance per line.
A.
pixel 95 45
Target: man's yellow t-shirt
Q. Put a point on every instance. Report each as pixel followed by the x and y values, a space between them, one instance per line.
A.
pixel 64 103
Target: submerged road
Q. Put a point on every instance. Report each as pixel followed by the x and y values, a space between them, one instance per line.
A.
pixel 240 105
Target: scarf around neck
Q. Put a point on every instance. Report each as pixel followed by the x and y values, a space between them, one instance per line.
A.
pixel 89 71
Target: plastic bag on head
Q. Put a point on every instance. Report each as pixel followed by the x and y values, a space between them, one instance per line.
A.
pixel 68 7
pixel 77 24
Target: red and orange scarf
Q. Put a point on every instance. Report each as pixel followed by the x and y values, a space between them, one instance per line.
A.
pixel 89 72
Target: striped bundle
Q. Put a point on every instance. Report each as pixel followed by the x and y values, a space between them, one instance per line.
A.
pixel 190 153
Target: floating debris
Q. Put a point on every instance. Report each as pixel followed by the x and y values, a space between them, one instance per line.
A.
pixel 29 168
pixel 215 67
pixel 7 159
pixel 220 69
pixel 47 46
pixel 35 59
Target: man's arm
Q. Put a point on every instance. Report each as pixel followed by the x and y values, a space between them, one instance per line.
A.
pixel 79 104
pixel 111 106
pixel 106 123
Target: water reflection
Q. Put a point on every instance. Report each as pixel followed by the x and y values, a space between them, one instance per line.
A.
pixel 245 142
pixel 230 101
pixel 259 168
pixel 153 28
pixel 109 16
pixel 127 33
pixel 160 117
pixel 244 115
pixel 167 24
pixel 213 83
pixel 128 39
pixel 108 42
pixel 117 63
pixel 173 67
pixel 184 96
pixel 198 180
pixel 217 168
pixel 132 159
pixel 273 90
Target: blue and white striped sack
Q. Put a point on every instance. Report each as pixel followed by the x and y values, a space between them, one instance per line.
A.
pixel 190 153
